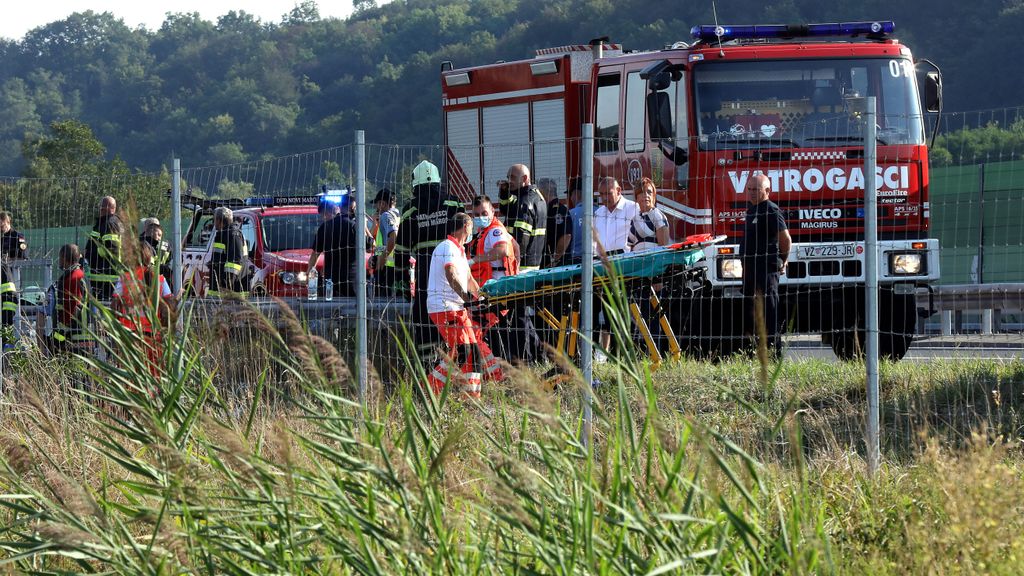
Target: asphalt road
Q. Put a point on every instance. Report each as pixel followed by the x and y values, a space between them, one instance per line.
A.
pixel 964 347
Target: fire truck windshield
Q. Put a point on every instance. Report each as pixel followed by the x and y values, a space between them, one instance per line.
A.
pixel 804 103
pixel 289 231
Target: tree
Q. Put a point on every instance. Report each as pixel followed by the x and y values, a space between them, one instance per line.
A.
pixel 304 12
pixel 227 153
pixel 18 117
pixel 69 152
pixel 363 5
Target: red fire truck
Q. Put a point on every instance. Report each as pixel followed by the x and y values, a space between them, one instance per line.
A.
pixel 278 232
pixel 700 119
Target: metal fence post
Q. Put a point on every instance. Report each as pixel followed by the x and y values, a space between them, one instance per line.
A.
pixel 587 281
pixel 981 224
pixel 176 224
pixel 362 362
pixel 176 256
pixel 871 282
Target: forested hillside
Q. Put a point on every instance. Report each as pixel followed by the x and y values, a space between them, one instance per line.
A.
pixel 239 89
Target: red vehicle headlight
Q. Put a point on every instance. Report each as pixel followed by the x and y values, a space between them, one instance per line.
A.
pixel 293 277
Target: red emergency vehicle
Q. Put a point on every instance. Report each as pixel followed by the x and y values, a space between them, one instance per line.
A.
pixel 700 119
pixel 278 232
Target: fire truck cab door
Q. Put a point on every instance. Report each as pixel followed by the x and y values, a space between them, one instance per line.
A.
pixel 247 226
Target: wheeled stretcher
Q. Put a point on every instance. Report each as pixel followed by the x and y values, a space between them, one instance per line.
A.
pixel 555 292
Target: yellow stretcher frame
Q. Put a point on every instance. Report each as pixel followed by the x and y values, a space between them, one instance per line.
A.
pixel 567 324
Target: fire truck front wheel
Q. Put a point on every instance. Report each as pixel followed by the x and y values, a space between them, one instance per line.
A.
pixel 897 320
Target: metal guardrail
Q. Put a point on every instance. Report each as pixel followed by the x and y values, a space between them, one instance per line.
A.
pixel 951 301
pixel 338 308
pixel 979 297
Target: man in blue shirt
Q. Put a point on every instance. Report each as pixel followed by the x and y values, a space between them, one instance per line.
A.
pixel 576 222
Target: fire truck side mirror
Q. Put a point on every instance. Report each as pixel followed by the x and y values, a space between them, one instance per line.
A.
pixel 933 92
pixel 659 116
pixel 659 82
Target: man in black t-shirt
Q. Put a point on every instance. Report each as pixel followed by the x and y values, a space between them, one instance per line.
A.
pixel 765 252
pixel 559 228
pixel 336 240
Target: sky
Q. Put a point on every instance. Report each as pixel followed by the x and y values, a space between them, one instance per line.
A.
pixel 20 16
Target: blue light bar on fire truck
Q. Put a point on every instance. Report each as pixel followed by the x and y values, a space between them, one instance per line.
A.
pixel 715 33
pixel 337 196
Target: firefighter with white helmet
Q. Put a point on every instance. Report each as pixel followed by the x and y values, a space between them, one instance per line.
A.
pixel 425 220
pixel 229 257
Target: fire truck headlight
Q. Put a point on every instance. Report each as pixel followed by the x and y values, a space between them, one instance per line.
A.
pixel 906 264
pixel 293 277
pixel 730 268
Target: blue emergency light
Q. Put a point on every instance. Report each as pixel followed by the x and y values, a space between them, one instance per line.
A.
pixel 340 197
pixel 716 33
pixel 337 196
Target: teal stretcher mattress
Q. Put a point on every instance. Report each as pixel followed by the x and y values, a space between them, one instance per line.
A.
pixel 646 264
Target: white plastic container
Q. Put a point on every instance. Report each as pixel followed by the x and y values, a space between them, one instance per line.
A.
pixel 311 294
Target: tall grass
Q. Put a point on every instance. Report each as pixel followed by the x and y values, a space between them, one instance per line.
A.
pixel 693 469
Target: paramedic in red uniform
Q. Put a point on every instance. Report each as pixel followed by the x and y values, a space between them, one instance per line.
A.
pixel 493 256
pixel 142 300
pixel 449 288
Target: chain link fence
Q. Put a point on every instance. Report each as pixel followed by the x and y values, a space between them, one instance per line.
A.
pixel 673 269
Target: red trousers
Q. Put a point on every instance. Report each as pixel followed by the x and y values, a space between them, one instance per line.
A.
pixel 461 334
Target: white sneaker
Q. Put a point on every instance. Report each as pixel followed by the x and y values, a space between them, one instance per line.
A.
pixel 599 357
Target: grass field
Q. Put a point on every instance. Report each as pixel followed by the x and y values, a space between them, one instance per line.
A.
pixel 697 468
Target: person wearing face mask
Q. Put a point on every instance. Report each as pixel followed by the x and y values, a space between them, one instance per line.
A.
pixel 493 249
pixel 493 256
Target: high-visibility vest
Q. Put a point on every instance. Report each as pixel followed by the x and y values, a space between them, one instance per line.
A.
pixel 137 315
pixel 382 243
pixel 484 271
pixel 105 241
pixel 9 296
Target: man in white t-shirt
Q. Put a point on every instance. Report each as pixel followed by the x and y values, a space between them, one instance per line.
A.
pixel 450 286
pixel 613 219
pixel 612 222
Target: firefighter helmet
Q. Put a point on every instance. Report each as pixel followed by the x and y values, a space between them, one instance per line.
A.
pixel 425 173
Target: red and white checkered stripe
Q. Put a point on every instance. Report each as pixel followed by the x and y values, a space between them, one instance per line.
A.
pixel 820 155
pixel 573 48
